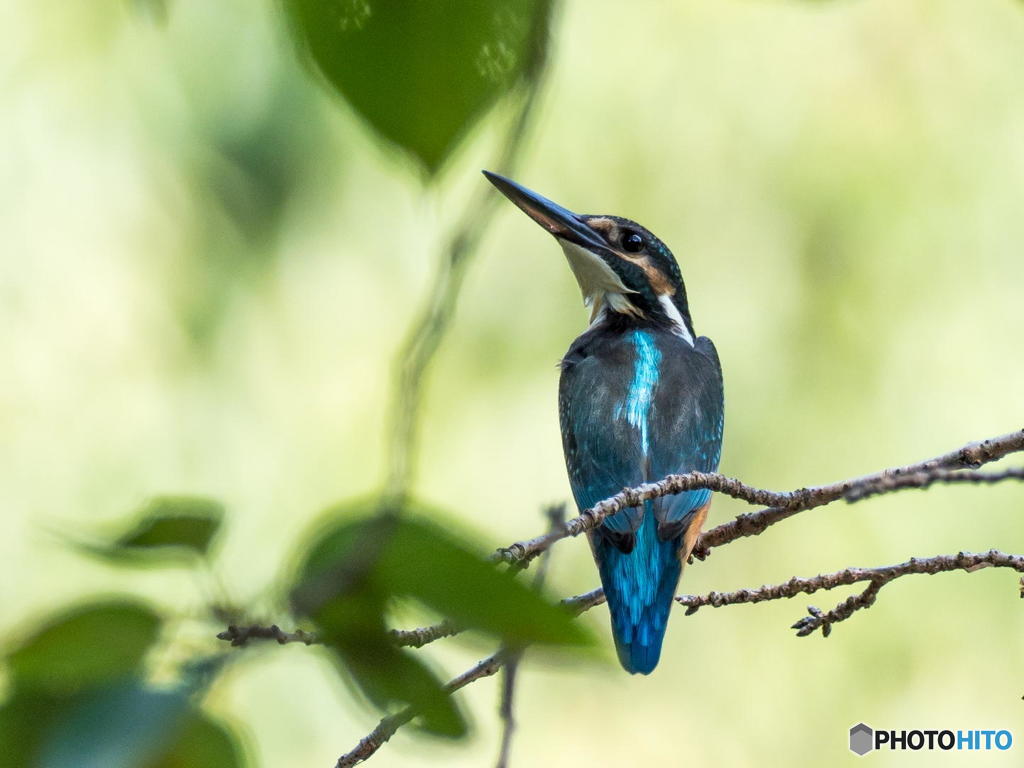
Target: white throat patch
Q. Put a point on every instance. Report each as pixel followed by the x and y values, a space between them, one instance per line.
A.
pixel 600 286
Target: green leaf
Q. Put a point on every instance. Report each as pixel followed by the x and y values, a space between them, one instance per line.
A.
pixel 85 646
pixel 201 743
pixel 389 675
pixel 124 726
pixel 22 721
pixel 342 556
pixel 167 527
pixel 127 724
pixel 351 622
pixel 188 522
pixel 428 563
pixel 417 558
pixel 369 555
pixel 420 73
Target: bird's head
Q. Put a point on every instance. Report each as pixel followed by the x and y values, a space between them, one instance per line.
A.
pixel 626 274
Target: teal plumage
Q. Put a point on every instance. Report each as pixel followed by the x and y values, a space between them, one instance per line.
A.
pixel 640 397
pixel 634 408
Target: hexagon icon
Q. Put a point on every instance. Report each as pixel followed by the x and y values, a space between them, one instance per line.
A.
pixel 862 739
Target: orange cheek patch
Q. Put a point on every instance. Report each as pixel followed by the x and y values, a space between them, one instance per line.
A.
pixel 657 278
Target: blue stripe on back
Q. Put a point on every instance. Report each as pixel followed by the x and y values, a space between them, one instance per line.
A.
pixel 637 405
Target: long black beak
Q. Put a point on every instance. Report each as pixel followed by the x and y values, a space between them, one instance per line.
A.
pixel 557 220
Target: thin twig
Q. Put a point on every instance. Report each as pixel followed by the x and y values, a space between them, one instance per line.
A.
pixel 879 577
pixel 556 516
pixel 431 322
pixel 417 638
pixel 407 638
pixel 506 710
pixel 239 636
pixel 923 480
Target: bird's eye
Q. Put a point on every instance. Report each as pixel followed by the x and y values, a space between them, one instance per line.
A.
pixel 632 242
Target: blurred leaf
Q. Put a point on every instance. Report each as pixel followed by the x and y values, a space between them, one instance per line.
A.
pixel 420 559
pixel 189 522
pixel 120 724
pixel 352 623
pixel 352 612
pixel 167 526
pixel 425 561
pixel 389 675
pixel 420 73
pixel 124 726
pixel 342 556
pixel 23 719
pixel 155 11
pixel 85 646
pixel 354 567
pixel 202 743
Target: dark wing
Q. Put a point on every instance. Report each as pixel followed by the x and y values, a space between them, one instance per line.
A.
pixel 602 450
pixel 686 426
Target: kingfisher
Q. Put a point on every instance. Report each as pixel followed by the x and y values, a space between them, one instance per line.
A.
pixel 640 397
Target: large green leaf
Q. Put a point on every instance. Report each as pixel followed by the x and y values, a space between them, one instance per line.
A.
pixel 86 646
pixel 414 557
pixel 366 556
pixel 419 71
pixel 451 576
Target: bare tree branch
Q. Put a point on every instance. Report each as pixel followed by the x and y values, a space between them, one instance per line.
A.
pixel 239 636
pixel 417 638
pixel 780 505
pixel 953 467
pixel 408 638
pixel 923 480
pixel 947 468
pixel 878 578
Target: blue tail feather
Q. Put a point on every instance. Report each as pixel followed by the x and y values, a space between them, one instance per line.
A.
pixel 640 587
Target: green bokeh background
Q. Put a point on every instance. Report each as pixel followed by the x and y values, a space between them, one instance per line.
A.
pixel 207 266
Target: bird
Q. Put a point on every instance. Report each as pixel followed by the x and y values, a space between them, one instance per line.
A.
pixel 640 397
